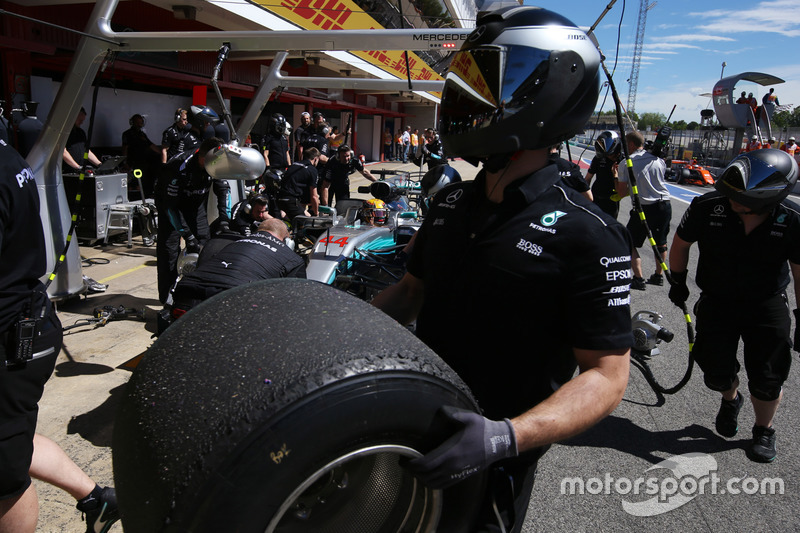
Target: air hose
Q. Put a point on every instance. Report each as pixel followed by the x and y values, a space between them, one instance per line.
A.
pixel 639 358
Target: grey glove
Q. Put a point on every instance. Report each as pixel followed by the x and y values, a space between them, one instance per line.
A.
pixel 476 443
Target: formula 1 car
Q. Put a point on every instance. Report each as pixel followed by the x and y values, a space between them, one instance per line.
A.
pixel 357 247
pixel 685 172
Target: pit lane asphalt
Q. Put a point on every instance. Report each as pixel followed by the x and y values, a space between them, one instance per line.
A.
pixel 78 408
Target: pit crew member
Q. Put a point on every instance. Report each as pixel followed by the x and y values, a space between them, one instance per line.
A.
pixel 526 257
pixel 336 176
pixel 748 236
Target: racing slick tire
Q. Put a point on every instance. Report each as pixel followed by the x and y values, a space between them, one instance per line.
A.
pixel 286 406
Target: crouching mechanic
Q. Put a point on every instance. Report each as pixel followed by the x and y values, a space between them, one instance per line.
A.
pixel 263 255
pixel 527 257
pixel 248 214
pixel 746 231
pixel 30 341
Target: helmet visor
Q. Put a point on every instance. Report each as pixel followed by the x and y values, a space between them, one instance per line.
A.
pixel 380 216
pixel 487 84
pixel 745 175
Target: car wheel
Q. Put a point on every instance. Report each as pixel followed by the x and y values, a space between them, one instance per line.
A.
pixel 285 406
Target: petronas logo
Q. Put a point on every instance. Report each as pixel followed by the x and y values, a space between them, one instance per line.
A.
pixel 550 218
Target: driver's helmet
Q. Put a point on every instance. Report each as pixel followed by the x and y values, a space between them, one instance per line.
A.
pixel 608 144
pixel 374 212
pixel 437 178
pixel 760 179
pixel 200 116
pixel 525 78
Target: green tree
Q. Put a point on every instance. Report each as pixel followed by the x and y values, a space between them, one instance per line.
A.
pixel 693 125
pixel 654 120
pixel 679 125
pixel 786 119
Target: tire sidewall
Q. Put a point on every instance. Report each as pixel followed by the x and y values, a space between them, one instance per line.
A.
pixel 264 469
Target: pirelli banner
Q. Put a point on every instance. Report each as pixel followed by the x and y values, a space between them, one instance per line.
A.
pixel 346 15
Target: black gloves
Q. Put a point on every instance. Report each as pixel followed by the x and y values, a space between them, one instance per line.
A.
pixel 679 292
pixel 796 330
pixel 192 245
pixel 224 227
pixel 476 443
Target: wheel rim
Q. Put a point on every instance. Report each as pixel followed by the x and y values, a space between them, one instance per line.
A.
pixel 364 491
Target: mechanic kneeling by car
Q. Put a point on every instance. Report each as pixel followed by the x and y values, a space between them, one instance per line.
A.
pixel 263 255
pixel 541 269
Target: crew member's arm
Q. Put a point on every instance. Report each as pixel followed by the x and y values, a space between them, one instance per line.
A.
pixel 266 156
pixel 68 159
pixel 325 186
pixel 314 202
pixel 679 255
pixel 93 159
pixel 403 300
pixel 621 186
pixel 589 178
pixel 367 174
pixel 796 277
pixel 324 183
pixel 578 404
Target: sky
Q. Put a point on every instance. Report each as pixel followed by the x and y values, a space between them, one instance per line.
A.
pixel 685 44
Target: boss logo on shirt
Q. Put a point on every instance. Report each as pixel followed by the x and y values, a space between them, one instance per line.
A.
pixel 531 248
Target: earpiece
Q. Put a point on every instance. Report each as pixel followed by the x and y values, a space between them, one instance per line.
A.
pixel 258 199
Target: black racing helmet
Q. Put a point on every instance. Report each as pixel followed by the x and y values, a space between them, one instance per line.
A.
pixel 277 124
pixel 608 144
pixel 437 178
pixel 759 179
pixel 199 116
pixel 525 78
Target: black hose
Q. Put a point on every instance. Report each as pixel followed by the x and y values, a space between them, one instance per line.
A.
pixel 637 206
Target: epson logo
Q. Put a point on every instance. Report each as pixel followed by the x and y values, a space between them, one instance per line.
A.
pixel 440 37
pixel 576 37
